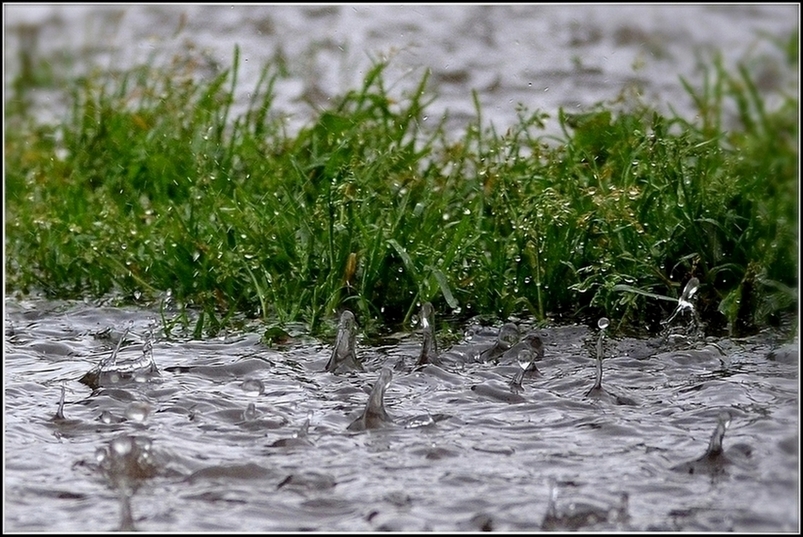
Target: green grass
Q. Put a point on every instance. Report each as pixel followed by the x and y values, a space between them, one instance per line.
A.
pixel 152 187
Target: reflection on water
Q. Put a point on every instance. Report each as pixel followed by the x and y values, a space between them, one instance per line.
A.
pixel 232 435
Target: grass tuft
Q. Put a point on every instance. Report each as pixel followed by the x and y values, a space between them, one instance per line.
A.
pixel 153 187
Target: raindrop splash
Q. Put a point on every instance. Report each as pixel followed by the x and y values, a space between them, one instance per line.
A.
pixel 685 307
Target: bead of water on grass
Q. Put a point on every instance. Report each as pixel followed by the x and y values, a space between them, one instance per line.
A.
pixel 101 454
pixel 603 323
pixel 106 417
pixel 253 386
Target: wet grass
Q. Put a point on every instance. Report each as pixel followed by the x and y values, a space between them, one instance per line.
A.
pixel 154 190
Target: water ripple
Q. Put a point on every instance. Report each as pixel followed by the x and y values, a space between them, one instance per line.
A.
pixel 258 437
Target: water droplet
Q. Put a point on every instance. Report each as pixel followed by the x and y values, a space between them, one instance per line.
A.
pixel 137 411
pixel 140 377
pixel 253 386
pixel 419 421
pixel 122 446
pixel 144 445
pixel 106 417
pixel 250 412
pixel 603 323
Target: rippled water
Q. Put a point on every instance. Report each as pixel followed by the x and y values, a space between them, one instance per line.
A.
pixel 220 432
pixel 218 435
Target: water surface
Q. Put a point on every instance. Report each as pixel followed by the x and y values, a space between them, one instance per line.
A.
pixel 219 440
pixel 225 421
pixel 541 56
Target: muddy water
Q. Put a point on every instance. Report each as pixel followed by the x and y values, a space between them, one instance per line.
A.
pixel 543 57
pixel 233 435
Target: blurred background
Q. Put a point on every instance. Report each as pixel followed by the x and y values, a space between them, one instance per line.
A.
pixel 543 56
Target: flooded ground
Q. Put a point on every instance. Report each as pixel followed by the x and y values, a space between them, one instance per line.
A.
pixel 541 56
pixel 232 435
